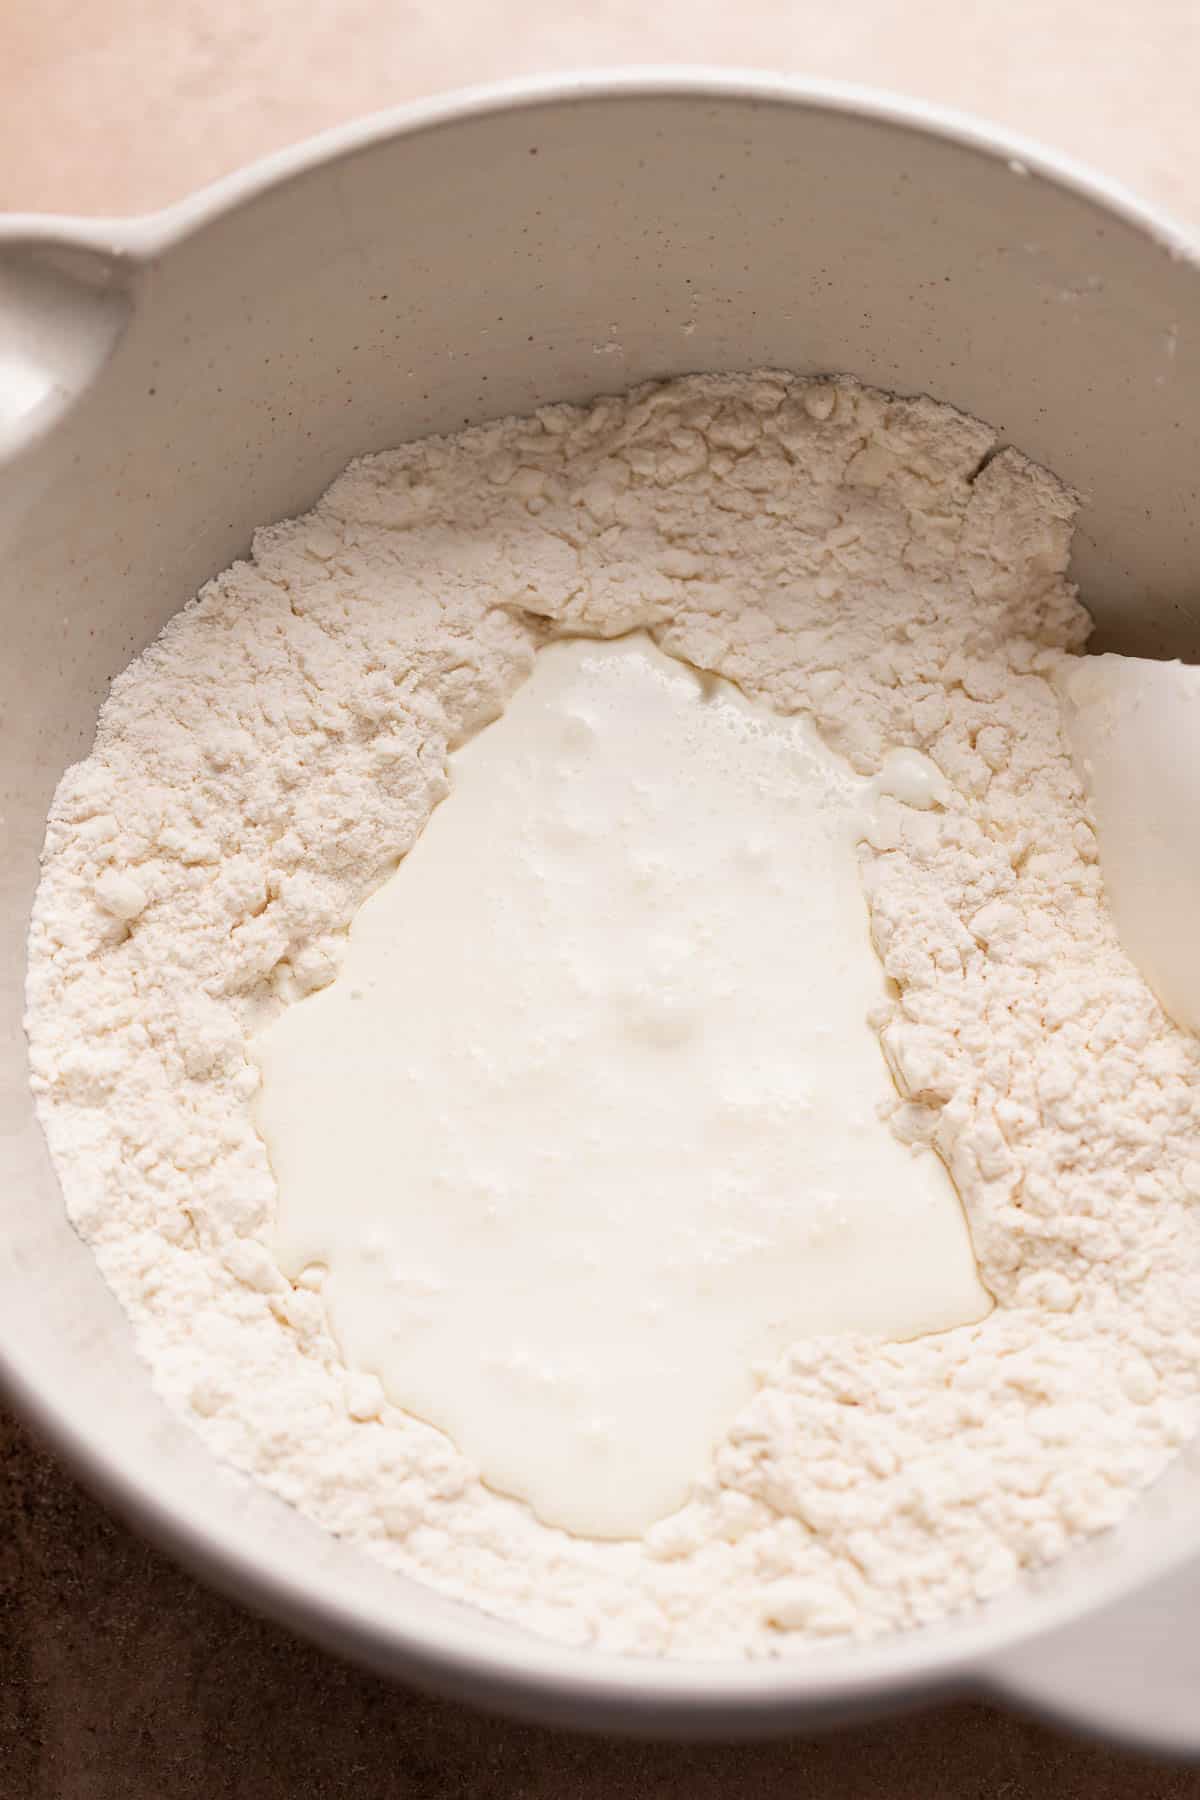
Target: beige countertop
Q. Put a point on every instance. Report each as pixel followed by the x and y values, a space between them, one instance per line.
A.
pixel 120 105
pixel 119 1676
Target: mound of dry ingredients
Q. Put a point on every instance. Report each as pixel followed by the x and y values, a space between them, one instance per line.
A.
pixel 264 764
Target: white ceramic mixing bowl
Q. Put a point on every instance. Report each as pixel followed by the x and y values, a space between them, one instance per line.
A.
pixel 167 383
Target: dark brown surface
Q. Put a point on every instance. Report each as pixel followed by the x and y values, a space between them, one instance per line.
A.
pixel 121 1679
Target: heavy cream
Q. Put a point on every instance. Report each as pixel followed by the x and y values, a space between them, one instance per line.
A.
pixel 590 1126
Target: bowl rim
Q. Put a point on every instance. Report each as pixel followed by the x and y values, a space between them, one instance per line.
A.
pixel 519 1673
pixel 158 230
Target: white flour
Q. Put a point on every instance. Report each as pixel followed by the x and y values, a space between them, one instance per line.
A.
pixel 266 762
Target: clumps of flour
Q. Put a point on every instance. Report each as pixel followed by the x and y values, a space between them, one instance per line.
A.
pixel 867 560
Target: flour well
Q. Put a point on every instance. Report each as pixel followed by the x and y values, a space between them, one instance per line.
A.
pixel 633 1148
pixel 260 769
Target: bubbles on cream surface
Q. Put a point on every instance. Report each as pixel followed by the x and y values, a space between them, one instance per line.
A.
pixel 589 1128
